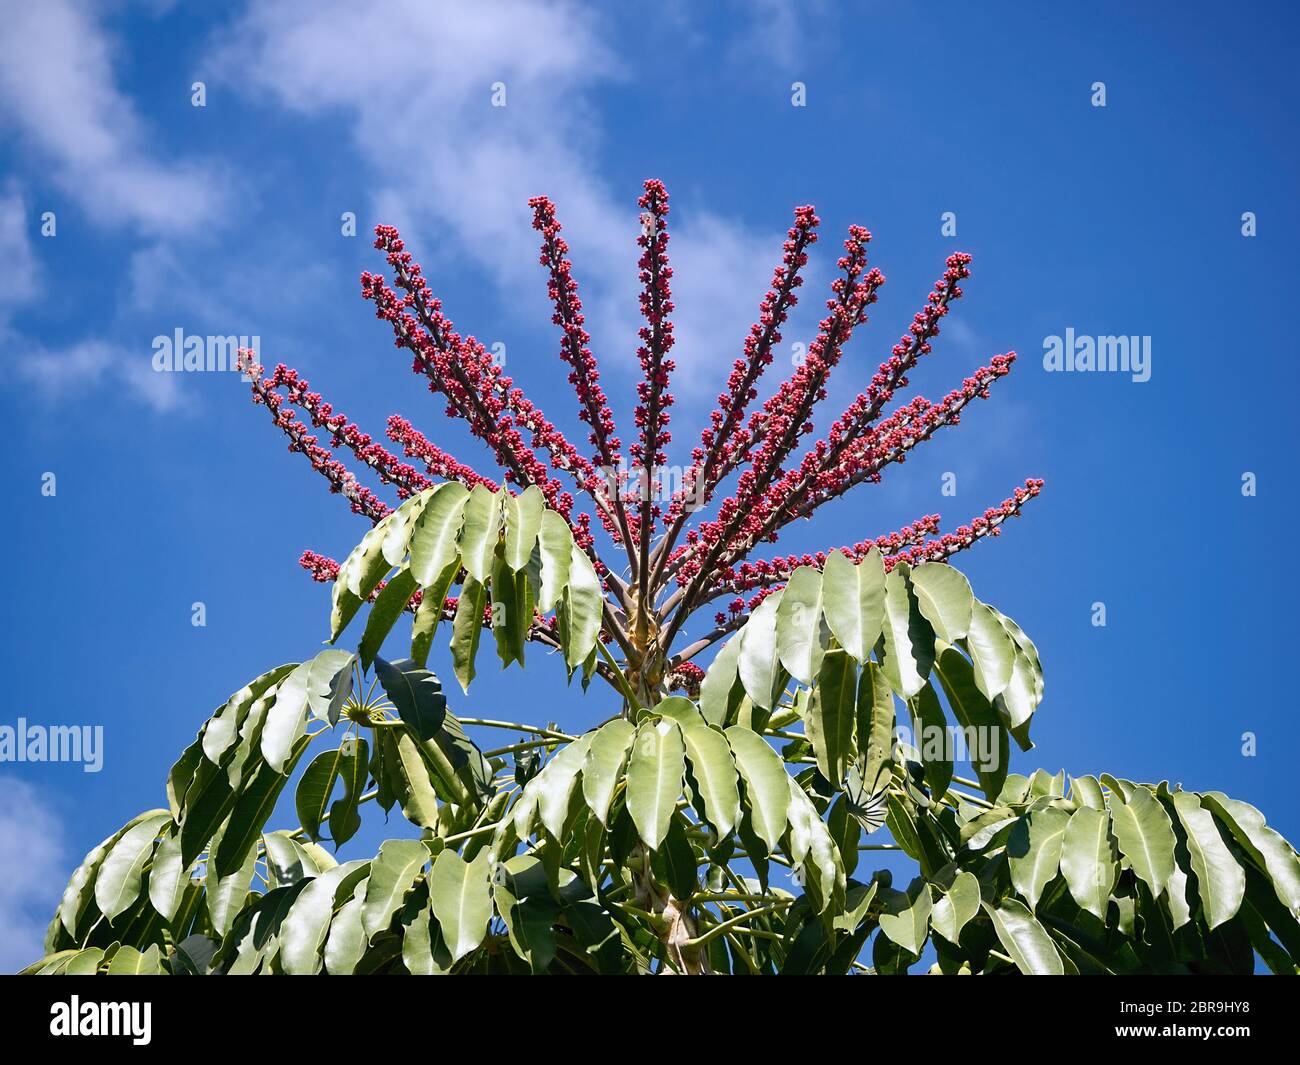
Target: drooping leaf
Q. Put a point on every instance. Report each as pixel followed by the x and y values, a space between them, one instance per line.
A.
pixel 416 693
pixel 767 789
pixel 906 917
pixel 944 597
pixel 654 778
pixel 759 664
pixel 800 643
pixel 583 607
pixel 605 759
pixel 908 639
pixel 1088 859
pixel 831 716
pixel 1265 846
pixel 1024 939
pixel 1034 851
pixel 853 598
pixel 875 726
pixel 1146 837
pixel 958 905
pixel 303 930
pixel 389 605
pixel 117 884
pixel 930 730
pixel 434 543
pixel 467 630
pixel 392 874
pixel 977 716
pixel 523 523
pixel 460 895
pixel 555 545
pixel 481 532
pixel 1219 879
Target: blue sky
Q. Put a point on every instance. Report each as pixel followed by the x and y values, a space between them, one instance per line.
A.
pixel 225 219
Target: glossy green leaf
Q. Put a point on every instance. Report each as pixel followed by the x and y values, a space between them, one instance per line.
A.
pixel 831 715
pixel 481 533
pixel 931 736
pixel 583 607
pixel 908 639
pixel 1089 860
pixel 435 537
pixel 944 597
pixel 958 905
pixel 654 778
pixel 606 756
pixel 976 715
pixel 523 523
pixel 117 884
pixel 467 631
pixel 1146 837
pixel 460 895
pixel 767 789
pixel 303 930
pixel 759 663
pixel 800 642
pixel 389 605
pixel 853 598
pixel 416 693
pixel 906 917
pixel 1024 939
pixel 1220 881
pixel 875 726
pixel 1265 846
pixel 392 875
pixel 555 545
pixel 992 651
pixel 1034 851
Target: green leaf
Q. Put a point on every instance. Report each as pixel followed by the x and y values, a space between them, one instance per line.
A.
pixel 416 693
pixel 813 852
pixel 992 650
pixel 1025 940
pixel 1089 859
pixel 906 917
pixel 583 607
pixel 1034 851
pixel 408 777
pixel 908 638
pixel 654 778
pixel 875 726
pixel 958 905
pixel 117 884
pixel 767 788
pixel 388 607
pixel 481 533
pixel 428 615
pixel 434 539
pixel 1267 848
pixel 523 523
pixel 1146 838
pixel 830 719
pixel 303 930
pixel 169 876
pixel 719 679
pixel 286 718
pixel 512 611
pixel 392 874
pixel 714 771
pixel 1219 879
pixel 329 683
pixel 553 786
pixel 930 730
pixel 604 763
pixel 466 630
pixel 127 961
pixel 800 642
pixel 346 942
pixel 397 540
pixel 288 861
pixel 555 545
pixel 461 898
pixel 944 597
pixel 1086 791
pixel 976 715
pixel 759 663
pixel 853 599
pixel 353 769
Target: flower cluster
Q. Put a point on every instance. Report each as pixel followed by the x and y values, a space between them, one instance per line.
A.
pixel 671 570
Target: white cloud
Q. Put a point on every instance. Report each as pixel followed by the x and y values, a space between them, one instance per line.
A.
pixel 95 364
pixel 414 80
pixel 58 91
pixel 35 868
pixel 18 269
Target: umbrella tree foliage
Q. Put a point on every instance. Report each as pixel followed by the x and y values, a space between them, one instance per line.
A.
pixel 720 820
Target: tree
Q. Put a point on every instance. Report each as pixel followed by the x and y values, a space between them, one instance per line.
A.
pixel 720 819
